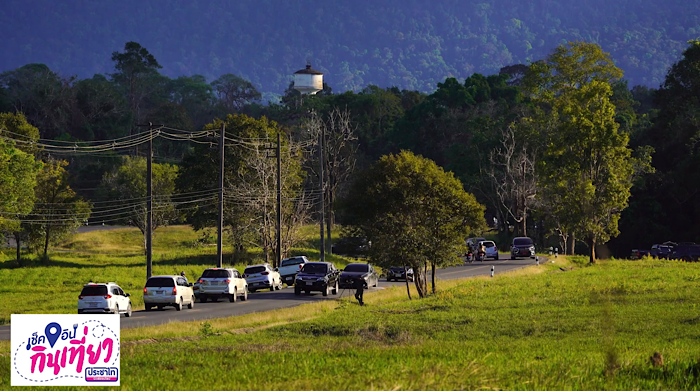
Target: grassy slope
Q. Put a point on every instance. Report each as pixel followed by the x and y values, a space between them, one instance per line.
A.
pixel 115 255
pixel 535 329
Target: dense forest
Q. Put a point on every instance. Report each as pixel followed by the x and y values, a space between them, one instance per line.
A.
pixel 411 45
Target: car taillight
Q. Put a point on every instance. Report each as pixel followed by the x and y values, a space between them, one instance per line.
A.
pixel 200 281
pixel 174 290
pixel 495 248
pixel 107 296
pixel 228 281
pixel 301 265
pixel 80 297
pixel 145 290
pixel 265 273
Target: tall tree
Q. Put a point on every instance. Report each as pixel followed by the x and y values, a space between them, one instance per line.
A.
pixel 233 92
pixel 58 211
pixel 414 213
pixel 128 183
pixel 586 167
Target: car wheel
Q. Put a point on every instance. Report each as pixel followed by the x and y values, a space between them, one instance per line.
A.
pixel 191 305
pixel 202 298
pixel 233 297
pixel 272 286
pixel 214 299
pixel 308 292
pixel 335 288
pixel 148 307
pixel 128 311
pixel 178 305
pixel 512 257
pixel 244 297
pixel 388 279
pixel 325 290
pixel 297 291
pixel 376 281
pixel 687 259
pixel 116 309
pixel 160 308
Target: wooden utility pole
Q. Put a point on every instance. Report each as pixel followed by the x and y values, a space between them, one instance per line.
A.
pixel 219 240
pixel 322 192
pixel 278 258
pixel 149 204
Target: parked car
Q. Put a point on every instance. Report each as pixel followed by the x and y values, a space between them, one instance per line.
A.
pixel 522 247
pixel 686 252
pixel 638 254
pixel 262 277
pixel 289 267
pixel 104 298
pixel 164 291
pixel 221 282
pixel 399 273
pixel 361 270
pixel 660 251
pixel 317 276
pixel 490 249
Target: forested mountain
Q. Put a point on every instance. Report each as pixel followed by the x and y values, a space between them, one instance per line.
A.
pixel 410 44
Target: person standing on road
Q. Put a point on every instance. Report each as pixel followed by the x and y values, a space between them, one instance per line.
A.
pixel 359 289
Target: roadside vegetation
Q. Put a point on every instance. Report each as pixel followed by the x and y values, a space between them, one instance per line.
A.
pixel 563 325
pixel 53 286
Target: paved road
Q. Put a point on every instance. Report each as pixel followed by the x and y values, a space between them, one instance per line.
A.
pixel 267 301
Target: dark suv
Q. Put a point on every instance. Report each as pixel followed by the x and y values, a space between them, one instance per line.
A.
pixel 686 252
pixel 317 276
pixel 399 272
pixel 522 247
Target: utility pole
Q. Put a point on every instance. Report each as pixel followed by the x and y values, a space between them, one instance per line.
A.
pixel 322 192
pixel 219 240
pixel 278 258
pixel 149 204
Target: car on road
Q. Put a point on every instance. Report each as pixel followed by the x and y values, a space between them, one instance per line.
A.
pixel 522 246
pixel 221 282
pixel 490 249
pixel 104 298
pixel 358 270
pixel 168 291
pixel 262 277
pixel 317 276
pixel 289 267
pixel 399 273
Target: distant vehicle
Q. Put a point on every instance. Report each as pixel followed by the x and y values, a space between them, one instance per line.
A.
pixel 522 247
pixel 317 276
pixel 289 267
pixel 262 277
pixel 163 291
pixel 356 245
pixel 472 243
pixel 358 270
pixel 399 273
pixel 221 282
pixel 104 298
pixel 638 254
pixel 686 252
pixel 490 249
pixel 660 251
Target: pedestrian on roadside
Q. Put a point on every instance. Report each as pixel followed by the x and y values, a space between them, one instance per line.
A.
pixel 359 289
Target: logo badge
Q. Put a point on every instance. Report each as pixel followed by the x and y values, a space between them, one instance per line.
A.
pixel 65 350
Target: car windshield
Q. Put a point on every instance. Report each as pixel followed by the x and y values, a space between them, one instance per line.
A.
pixel 357 267
pixel 94 290
pixel 159 282
pixel 292 261
pixel 215 274
pixel 314 268
pixel 398 267
pixel 254 269
pixel 489 244
pixel 522 242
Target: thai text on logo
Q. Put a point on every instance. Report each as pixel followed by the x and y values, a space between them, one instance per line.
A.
pixel 65 349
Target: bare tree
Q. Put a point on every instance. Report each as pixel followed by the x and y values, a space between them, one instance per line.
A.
pixel 513 177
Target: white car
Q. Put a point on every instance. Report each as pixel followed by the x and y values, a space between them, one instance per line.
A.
pixel 262 277
pixel 162 291
pixel 104 298
pixel 289 268
pixel 220 282
pixel 490 249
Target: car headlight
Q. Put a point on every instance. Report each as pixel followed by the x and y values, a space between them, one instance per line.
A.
pixel 298 277
pixel 532 249
pixel 321 279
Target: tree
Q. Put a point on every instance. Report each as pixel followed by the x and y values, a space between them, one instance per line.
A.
pixel 234 92
pixel 586 167
pixel 128 183
pixel 414 213
pixel 58 211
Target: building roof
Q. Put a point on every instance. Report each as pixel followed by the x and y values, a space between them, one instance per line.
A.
pixel 308 71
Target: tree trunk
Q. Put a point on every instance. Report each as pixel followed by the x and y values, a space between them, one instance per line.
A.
pixel 408 287
pixel 571 245
pixel 17 242
pixel 46 240
pixel 432 277
pixel 591 244
pixel 418 281
pixel 329 227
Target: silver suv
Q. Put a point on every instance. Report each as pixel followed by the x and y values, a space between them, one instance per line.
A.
pixel 222 282
pixel 104 298
pixel 174 291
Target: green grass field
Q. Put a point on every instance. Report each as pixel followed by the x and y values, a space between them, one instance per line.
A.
pixel 114 255
pixel 590 328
